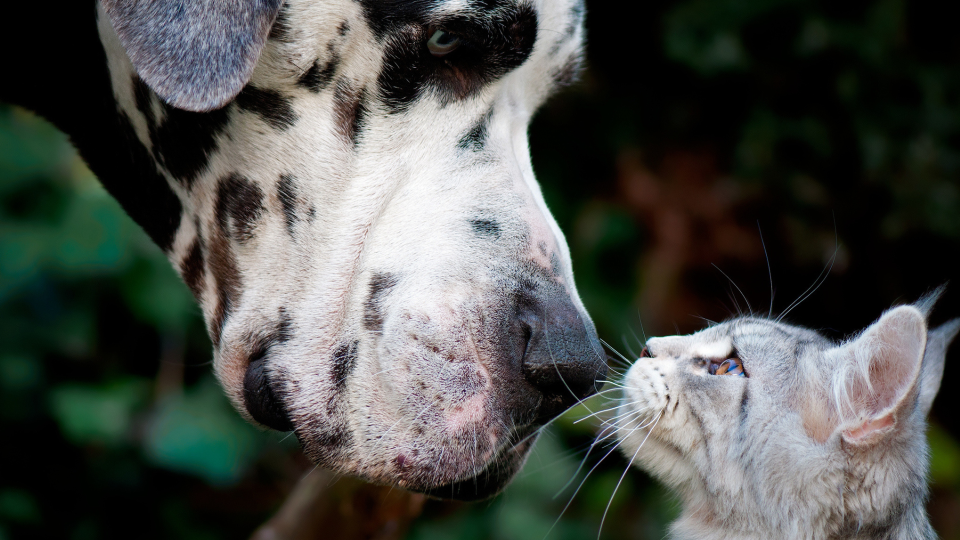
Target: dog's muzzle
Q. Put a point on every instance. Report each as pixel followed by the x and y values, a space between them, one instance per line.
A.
pixel 562 357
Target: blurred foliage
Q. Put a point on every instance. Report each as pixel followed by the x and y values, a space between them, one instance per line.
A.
pixel 107 403
pixel 832 129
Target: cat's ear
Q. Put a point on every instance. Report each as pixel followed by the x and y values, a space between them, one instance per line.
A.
pixel 926 302
pixel 877 372
pixel 938 340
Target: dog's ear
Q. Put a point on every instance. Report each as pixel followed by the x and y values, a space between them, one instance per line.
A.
pixel 195 54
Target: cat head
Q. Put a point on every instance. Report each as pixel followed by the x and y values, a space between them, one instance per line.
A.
pixel 764 426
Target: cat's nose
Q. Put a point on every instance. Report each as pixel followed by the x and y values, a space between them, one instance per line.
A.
pixel 563 358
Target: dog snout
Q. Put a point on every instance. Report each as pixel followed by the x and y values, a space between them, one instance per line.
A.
pixel 563 358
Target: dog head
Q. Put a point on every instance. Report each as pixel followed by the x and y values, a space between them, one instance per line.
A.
pixel 361 222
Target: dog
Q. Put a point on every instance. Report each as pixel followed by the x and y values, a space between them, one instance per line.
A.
pixel 346 188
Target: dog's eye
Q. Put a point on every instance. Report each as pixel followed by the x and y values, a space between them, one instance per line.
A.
pixel 442 43
pixel 730 366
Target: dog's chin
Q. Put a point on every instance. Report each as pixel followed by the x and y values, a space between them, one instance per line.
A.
pixel 488 482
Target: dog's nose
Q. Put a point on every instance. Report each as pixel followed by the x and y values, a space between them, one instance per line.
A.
pixel 563 358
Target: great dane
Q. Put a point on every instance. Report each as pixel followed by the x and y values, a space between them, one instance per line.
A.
pixel 346 188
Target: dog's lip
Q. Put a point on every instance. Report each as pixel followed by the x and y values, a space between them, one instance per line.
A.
pixel 495 475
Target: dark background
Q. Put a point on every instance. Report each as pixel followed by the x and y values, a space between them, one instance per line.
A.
pixel 831 128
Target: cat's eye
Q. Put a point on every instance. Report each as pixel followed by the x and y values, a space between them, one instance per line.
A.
pixel 730 366
pixel 442 43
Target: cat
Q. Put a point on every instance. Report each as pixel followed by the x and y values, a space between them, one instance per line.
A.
pixel 772 431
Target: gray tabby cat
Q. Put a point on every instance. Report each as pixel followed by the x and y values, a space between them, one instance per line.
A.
pixel 771 431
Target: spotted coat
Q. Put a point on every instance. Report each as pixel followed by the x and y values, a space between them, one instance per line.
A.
pixel 358 219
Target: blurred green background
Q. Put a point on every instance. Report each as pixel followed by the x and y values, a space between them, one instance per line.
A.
pixel 827 127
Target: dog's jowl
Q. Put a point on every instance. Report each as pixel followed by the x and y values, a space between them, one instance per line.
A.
pixel 346 188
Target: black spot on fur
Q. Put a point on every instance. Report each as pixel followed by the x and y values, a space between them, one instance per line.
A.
pixel 476 138
pixel 326 437
pixel 192 267
pixel 387 17
pixel 495 42
pixel 485 227
pixel 343 28
pixel 184 140
pixel 380 286
pixel 223 266
pixel 344 360
pixel 319 75
pixel 150 201
pixel 262 395
pixel 287 193
pixel 275 109
pixel 239 206
pixel 350 111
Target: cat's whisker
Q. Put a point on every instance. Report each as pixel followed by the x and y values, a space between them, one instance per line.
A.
pixel 637 414
pixel 569 502
pixel 610 428
pixel 612 349
pixel 710 322
pixel 641 343
pixel 540 429
pixel 745 299
pixel 817 283
pixel 614 385
pixel 769 269
pixel 616 370
pixel 625 471
pixel 598 413
pixel 623 404
pixel 626 345
pixel 604 434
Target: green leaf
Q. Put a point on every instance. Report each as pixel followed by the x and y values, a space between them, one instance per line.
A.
pixel 103 414
pixel 199 433
pixel 18 373
pixel 944 457
pixel 18 506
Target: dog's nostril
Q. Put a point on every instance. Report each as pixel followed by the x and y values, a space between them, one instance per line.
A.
pixel 260 397
pixel 562 358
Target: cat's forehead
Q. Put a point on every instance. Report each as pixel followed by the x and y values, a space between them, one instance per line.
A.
pixel 751 330
pixel 747 333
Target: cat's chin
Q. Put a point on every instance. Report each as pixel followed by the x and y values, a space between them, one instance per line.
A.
pixel 488 482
